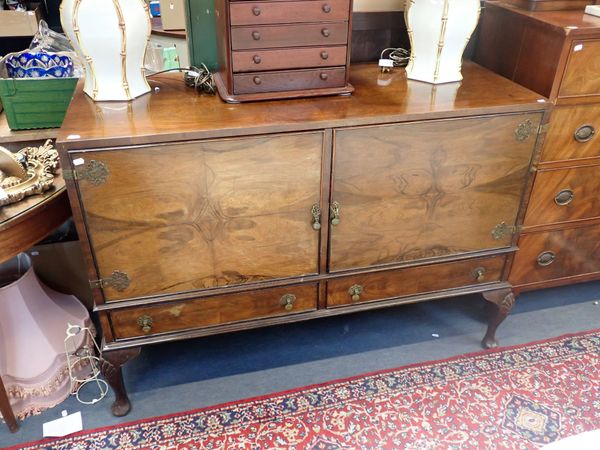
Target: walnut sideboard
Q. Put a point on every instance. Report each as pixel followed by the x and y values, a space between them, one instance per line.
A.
pixel 200 217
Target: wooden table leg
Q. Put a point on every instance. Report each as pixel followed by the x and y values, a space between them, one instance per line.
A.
pixel 111 368
pixel 6 410
pixel 503 301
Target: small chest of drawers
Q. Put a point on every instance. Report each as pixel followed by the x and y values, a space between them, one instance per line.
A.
pixel 283 49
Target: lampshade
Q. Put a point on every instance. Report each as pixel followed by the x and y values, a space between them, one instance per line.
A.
pixel 33 322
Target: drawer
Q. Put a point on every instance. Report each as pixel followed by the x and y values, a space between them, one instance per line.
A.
pixel 573 133
pixel 271 36
pixel 582 73
pixel 260 13
pixel 211 311
pixel 562 195
pixel 290 80
pixel 297 58
pixel 556 254
pixel 413 280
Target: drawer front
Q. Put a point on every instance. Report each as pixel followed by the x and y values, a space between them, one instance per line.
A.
pixel 261 13
pixel 289 36
pixel 291 80
pixel 212 311
pixel 413 280
pixel 582 74
pixel 556 254
pixel 298 58
pixel 573 133
pixel 564 194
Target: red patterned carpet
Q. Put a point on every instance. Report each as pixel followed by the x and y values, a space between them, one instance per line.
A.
pixel 514 398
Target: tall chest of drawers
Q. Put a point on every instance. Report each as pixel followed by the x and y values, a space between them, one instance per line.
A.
pixel 557 54
pixel 199 217
pixel 283 48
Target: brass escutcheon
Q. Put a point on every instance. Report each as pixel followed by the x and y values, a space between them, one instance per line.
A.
pixel 585 133
pixel 544 259
pixel 287 301
pixel 479 274
pixel 145 323
pixel 355 292
pixel 564 197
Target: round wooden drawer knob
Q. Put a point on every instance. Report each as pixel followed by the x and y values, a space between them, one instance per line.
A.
pixel 256 35
pixel 326 8
pixel 546 258
pixel 256 11
pixel 326 32
pixel 585 133
pixel 257 80
pixel 324 55
pixel 324 76
pixel 257 59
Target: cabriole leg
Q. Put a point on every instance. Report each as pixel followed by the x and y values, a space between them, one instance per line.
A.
pixel 503 301
pixel 111 367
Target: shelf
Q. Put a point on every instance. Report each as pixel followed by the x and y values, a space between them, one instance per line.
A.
pixel 9 136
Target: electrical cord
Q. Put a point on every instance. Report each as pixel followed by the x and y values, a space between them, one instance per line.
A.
pixel 199 78
pixel 398 56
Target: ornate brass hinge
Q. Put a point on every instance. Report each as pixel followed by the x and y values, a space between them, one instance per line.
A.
pixel 96 172
pixel 501 230
pixel 526 129
pixel 117 280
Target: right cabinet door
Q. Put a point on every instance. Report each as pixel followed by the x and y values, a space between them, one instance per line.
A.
pixel 428 189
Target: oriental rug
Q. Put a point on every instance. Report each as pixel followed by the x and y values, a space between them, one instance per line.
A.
pixel 513 398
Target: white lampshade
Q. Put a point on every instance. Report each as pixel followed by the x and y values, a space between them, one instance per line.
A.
pixel 33 322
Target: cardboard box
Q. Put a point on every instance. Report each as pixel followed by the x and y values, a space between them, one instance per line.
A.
pixel 19 23
pixel 61 267
pixel 172 14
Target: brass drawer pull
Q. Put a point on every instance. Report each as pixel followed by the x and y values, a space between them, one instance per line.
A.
pixel 324 76
pixel 326 8
pixel 564 197
pixel 324 55
pixel 585 133
pixel 316 217
pixel 479 274
pixel 544 259
pixel 325 32
pixel 256 11
pixel 335 213
pixel 355 292
pixel 257 59
pixel 287 301
pixel 145 323
pixel 257 80
pixel 256 35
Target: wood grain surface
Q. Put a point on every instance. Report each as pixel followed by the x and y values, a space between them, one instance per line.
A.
pixel 289 80
pixel 297 58
pixel 582 74
pixel 424 190
pixel 260 13
pixel 273 36
pixel 205 214
pixel 405 282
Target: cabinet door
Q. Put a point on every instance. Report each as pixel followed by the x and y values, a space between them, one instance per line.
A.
pixel 200 215
pixel 423 190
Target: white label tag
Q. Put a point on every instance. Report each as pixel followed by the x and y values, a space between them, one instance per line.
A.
pixel 78 162
pixel 64 426
pixel 386 63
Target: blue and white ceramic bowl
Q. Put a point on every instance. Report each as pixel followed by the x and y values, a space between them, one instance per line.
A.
pixel 27 64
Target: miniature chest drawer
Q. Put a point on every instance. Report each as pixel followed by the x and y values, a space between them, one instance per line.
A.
pixel 296 58
pixel 556 255
pixel 271 36
pixel 212 311
pixel 573 133
pixel 413 280
pixel 274 12
pixel 582 74
pixel 289 80
pixel 562 195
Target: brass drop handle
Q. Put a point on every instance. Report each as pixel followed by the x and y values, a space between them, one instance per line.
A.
pixel 324 76
pixel 544 259
pixel 257 80
pixel 145 323
pixel 316 217
pixel 257 59
pixel 287 301
pixel 325 32
pixel 256 11
pixel 585 133
pixel 564 197
pixel 324 55
pixel 335 213
pixel 256 35
pixel 326 8
pixel 355 292
pixel 479 274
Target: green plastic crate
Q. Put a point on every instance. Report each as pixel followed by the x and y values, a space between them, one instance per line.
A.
pixel 40 103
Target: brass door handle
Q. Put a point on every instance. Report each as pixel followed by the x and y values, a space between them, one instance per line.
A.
pixel 564 197
pixel 355 292
pixel 479 274
pixel 287 301
pixel 145 323
pixel 544 259
pixel 585 133
pixel 316 217
pixel 335 213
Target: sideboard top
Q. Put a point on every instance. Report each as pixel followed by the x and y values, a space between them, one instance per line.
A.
pixel 176 112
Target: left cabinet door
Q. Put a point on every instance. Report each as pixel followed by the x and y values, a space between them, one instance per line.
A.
pixel 199 215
